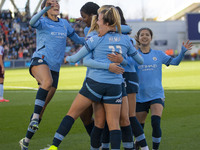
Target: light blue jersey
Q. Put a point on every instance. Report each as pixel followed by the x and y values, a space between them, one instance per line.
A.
pixel 51 40
pixel 86 30
pixel 88 60
pixel 130 65
pixel 92 33
pixel 150 74
pixel 110 43
pixel 89 56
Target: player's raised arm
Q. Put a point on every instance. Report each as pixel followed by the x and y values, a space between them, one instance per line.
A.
pixel 185 47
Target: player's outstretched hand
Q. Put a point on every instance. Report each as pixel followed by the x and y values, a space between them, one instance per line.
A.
pixel 50 3
pixel 188 45
pixel 65 61
pixel 113 67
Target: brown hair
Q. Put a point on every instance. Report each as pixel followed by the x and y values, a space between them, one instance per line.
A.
pixel 138 34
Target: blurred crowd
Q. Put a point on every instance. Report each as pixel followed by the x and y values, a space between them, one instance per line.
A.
pixel 20 38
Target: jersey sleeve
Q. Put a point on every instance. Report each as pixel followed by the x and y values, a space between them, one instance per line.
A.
pixel 92 42
pixel 72 34
pixel 89 62
pixel 176 61
pixel 166 59
pixel 89 35
pixel 38 24
pixel 134 53
pixel 68 27
pixel 35 21
pixel 78 56
pixel 125 29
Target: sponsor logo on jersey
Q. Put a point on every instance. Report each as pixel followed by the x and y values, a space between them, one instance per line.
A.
pixel 60 35
pixel 147 67
pixel 40 61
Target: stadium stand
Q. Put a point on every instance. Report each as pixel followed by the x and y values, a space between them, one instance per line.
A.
pixel 20 38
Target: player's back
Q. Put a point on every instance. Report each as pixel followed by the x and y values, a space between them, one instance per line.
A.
pixel 111 43
pixel 102 46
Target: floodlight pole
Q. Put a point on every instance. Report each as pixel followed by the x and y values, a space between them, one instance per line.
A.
pixel 36 9
pixel 1 4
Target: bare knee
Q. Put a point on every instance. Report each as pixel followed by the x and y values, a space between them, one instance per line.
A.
pixel 124 121
pixel 86 117
pixel 47 83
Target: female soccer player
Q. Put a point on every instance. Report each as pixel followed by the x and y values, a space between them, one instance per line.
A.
pixel 2 71
pixel 87 11
pixel 131 85
pixel 151 94
pixel 127 138
pixel 52 33
pixel 100 85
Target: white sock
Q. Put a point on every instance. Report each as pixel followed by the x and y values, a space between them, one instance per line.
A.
pixel 35 116
pixel 145 148
pixel 27 140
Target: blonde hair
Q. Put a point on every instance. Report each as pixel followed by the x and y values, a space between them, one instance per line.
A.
pixel 104 7
pixel 112 17
pixel 94 25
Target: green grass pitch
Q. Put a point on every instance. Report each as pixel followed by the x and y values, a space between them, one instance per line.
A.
pixel 180 121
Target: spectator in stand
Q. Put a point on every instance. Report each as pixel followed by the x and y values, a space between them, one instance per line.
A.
pixel 23 34
pixel 20 53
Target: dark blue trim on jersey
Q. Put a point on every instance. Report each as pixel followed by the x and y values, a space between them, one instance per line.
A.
pixel 87 47
pixel 169 61
pixel 70 35
pixel 133 54
pixel 57 20
pixel 145 53
pixel 41 47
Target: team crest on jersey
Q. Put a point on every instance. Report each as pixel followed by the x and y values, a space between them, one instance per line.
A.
pixel 40 61
pixel 154 58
